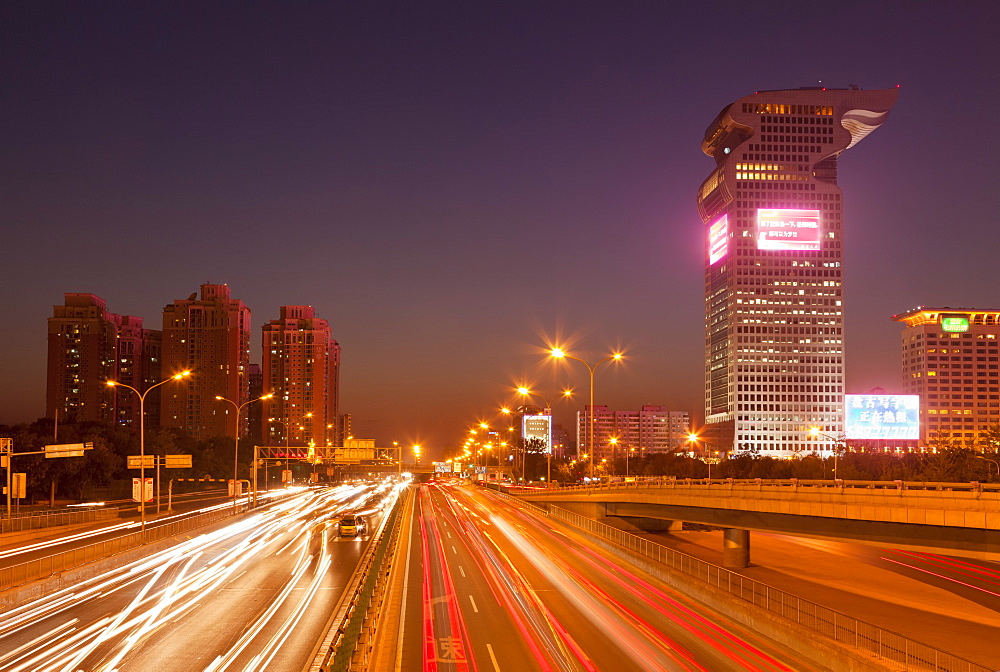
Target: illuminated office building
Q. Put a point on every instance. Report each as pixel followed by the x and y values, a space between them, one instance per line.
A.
pixel 651 429
pixel 774 226
pixel 211 337
pixel 301 367
pixel 951 358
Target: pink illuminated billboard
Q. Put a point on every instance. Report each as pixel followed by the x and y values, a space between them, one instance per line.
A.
pixel 788 229
pixel 718 239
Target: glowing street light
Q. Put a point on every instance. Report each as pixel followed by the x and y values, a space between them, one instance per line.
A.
pixel 559 353
pixel 236 449
pixel 142 438
pixel 815 433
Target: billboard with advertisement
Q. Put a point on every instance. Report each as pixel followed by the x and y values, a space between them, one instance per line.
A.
pixel 882 416
pixel 538 427
pixel 718 239
pixel 788 230
pixel 955 323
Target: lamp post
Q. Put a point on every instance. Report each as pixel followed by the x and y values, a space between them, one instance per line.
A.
pixel 613 443
pixel 989 470
pixel 694 438
pixel 142 438
pixel 416 454
pixel 815 433
pixel 236 449
pixel 558 353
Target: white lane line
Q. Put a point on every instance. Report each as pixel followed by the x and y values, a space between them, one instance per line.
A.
pixel 474 607
pixel 454 550
pixel 462 571
pixel 493 658
pixel 448 533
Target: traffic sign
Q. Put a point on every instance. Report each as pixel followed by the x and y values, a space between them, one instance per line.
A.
pixel 140 461
pixel 177 462
pixel 67 449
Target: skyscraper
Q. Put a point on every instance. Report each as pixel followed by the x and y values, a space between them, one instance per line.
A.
pixel 301 367
pixel 211 337
pixel 774 321
pixel 139 356
pixel 951 358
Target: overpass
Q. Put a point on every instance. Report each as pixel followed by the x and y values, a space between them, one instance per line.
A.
pixel 961 519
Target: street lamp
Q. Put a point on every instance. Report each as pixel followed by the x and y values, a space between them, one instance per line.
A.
pixel 989 469
pixel 815 433
pixel 694 438
pixel 558 353
pixel 142 438
pixel 416 453
pixel 236 449
pixel 613 443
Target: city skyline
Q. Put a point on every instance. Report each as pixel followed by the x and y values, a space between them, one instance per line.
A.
pixel 453 192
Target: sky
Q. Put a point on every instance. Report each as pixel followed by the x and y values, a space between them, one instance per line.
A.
pixel 457 186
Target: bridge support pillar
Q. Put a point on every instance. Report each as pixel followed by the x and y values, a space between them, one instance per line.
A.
pixel 735 548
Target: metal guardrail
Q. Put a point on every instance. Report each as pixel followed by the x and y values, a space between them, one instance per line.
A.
pixel 41 568
pixel 36 521
pixel 635 483
pixel 353 643
pixel 883 644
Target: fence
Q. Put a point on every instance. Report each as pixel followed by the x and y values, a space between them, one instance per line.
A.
pixel 35 521
pixel 883 644
pixel 41 568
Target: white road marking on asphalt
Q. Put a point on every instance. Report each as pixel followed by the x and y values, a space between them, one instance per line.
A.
pixel 474 607
pixel 493 658
pixel 462 571
pixel 454 550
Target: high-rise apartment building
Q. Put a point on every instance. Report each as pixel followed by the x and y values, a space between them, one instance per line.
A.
pixel 651 429
pixel 211 337
pixel 139 357
pixel 774 226
pixel 82 339
pixel 951 358
pixel 301 367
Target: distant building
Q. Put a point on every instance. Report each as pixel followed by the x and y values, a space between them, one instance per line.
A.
pixel 89 345
pixel 211 337
pixel 651 429
pixel 774 230
pixel 951 358
pixel 301 367
pixel 82 340
pixel 255 412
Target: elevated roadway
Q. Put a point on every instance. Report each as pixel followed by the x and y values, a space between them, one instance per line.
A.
pixel 959 519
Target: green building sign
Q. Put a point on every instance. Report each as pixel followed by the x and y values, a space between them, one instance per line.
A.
pixel 954 323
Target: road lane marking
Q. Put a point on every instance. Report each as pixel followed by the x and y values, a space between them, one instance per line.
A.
pixel 448 533
pixel 454 550
pixel 462 571
pixel 474 607
pixel 493 658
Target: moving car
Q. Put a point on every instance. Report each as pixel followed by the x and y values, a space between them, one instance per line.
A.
pixel 352 526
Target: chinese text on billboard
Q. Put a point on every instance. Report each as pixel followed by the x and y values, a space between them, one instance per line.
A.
pixel 788 229
pixel 718 239
pixel 882 416
pixel 954 323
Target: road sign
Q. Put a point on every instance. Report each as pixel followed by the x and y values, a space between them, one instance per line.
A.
pixel 140 461
pixel 177 462
pixel 239 488
pixel 67 449
pixel 136 490
pixel 286 475
pixel 19 488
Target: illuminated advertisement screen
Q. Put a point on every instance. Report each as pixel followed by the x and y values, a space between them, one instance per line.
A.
pixel 538 427
pixel 718 239
pixel 882 416
pixel 788 230
pixel 954 323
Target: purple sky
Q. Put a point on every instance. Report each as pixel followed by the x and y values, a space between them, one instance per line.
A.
pixel 454 186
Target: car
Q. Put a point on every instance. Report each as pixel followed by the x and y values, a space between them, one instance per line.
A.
pixel 352 525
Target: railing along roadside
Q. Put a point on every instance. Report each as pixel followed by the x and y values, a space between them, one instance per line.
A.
pixel 38 520
pixel 356 617
pixel 790 483
pixel 42 568
pixel 883 644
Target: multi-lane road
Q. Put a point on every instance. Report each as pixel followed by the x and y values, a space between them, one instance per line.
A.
pixel 501 590
pixel 254 594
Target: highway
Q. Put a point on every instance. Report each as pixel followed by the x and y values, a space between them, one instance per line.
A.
pixel 500 589
pixel 253 594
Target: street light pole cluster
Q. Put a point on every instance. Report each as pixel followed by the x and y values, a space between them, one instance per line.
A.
pixel 236 450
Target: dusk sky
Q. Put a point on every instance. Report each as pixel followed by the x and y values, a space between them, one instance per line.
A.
pixel 456 185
